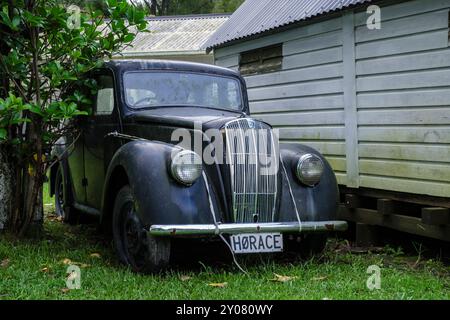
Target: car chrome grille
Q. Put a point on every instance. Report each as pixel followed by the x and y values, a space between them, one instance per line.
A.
pixel 252 158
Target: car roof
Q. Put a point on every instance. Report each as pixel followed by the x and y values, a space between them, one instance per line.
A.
pixel 137 65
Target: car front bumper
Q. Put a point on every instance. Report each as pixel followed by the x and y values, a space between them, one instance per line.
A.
pixel 236 228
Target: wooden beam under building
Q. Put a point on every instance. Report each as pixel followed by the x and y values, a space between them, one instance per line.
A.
pixel 398 222
pixel 436 216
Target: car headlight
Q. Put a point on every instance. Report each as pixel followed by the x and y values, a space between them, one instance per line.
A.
pixel 186 167
pixel 309 169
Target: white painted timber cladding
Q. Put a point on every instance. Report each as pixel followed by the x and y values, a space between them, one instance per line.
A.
pixel 403 91
pixel 378 108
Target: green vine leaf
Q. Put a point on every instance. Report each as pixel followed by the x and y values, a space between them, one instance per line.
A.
pixel 3 134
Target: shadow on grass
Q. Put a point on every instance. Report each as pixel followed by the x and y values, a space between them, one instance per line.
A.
pixel 187 255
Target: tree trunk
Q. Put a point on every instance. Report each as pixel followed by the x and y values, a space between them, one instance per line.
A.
pixel 14 202
pixel 7 183
pixel 21 177
pixel 35 226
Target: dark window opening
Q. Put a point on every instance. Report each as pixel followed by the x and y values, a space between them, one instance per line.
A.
pixel 262 60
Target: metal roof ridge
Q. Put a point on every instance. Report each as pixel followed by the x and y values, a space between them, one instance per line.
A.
pixel 190 16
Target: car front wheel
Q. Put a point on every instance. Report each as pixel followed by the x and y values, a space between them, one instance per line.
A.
pixel 134 247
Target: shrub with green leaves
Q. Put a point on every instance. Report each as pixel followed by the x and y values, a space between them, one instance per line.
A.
pixel 45 51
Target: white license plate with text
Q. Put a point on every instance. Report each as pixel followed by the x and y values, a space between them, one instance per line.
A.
pixel 256 242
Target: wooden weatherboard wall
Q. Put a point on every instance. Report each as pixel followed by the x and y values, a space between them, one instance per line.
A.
pixel 376 103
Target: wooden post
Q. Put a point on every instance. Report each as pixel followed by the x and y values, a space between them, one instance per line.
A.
pixel 352 201
pixel 349 84
pixel 385 206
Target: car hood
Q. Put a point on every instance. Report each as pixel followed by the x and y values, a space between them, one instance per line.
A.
pixel 185 117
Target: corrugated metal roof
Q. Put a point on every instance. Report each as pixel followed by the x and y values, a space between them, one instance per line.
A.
pixel 258 16
pixel 176 34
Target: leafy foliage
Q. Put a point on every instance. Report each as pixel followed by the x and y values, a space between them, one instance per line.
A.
pixel 65 52
pixel 184 7
pixel 226 6
pixel 46 50
pixel 11 110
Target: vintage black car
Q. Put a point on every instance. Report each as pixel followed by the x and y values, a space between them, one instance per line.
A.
pixel 126 168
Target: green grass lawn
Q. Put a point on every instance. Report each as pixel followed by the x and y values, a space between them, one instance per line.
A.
pixel 36 269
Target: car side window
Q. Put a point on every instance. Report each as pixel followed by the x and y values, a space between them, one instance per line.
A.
pixel 105 96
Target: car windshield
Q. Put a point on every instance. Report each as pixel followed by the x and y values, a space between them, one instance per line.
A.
pixel 159 89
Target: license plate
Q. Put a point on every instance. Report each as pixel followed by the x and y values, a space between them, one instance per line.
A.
pixel 256 242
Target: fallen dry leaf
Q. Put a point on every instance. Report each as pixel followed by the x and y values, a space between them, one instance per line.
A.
pixel 185 278
pixel 5 263
pixel 95 255
pixel 280 278
pixel 70 262
pixel 45 269
pixel 319 278
pixel 65 290
pixel 218 285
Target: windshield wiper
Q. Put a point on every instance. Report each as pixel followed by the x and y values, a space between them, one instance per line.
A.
pixel 188 105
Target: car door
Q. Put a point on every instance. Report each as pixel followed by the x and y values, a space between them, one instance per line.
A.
pixel 98 148
pixel 75 160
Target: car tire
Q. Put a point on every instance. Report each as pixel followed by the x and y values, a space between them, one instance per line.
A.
pixel 134 247
pixel 63 210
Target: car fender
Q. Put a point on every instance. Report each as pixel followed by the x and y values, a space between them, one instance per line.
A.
pixel 318 203
pixel 159 199
pixel 59 154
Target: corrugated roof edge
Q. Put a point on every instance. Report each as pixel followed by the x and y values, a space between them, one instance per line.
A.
pixel 187 17
pixel 190 16
pixel 212 45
